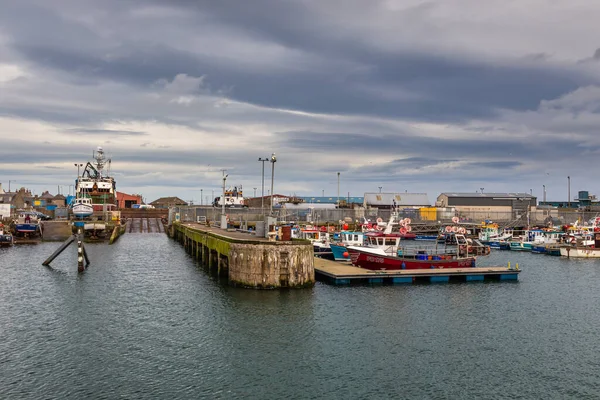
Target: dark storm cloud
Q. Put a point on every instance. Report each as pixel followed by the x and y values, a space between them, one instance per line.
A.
pixel 445 88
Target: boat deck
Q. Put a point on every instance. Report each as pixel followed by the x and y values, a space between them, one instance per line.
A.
pixel 343 273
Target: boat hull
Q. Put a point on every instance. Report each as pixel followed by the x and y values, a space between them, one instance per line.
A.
pixel 390 263
pixel 6 240
pixel 82 210
pixel 426 237
pixel 580 252
pixel 499 245
pixel 520 246
pixel 27 228
pixel 340 252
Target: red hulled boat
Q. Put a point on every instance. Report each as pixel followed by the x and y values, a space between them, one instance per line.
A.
pixel 381 253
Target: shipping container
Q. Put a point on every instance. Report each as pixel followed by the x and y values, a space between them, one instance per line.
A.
pixel 428 213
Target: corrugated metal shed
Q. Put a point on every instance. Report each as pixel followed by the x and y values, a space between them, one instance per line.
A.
pixel 331 199
pixel 489 195
pixel 401 199
pixel 308 206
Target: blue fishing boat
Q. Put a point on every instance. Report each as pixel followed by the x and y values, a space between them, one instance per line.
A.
pixel 27 224
pixel 347 238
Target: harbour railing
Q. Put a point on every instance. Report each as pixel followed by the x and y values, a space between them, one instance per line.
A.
pixel 516 218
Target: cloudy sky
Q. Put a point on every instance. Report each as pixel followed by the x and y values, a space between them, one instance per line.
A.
pixel 417 96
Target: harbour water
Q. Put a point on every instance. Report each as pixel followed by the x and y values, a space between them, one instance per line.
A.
pixel 147 321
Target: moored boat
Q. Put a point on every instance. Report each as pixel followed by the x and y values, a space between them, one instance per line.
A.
pixel 579 251
pixel 27 224
pixel 6 239
pixel 387 255
pixel 347 238
pixel 82 207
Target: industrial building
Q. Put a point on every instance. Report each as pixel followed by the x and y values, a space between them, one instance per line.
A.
pixel 494 206
pixel 391 200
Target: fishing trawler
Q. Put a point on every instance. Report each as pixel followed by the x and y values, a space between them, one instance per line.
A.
pixel 96 184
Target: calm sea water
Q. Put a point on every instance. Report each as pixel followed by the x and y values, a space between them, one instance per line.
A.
pixel 147 321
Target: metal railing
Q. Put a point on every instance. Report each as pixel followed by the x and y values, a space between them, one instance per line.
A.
pixel 244 216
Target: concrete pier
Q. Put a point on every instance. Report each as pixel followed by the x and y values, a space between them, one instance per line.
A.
pixel 247 260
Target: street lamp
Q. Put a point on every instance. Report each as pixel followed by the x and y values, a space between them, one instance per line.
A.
pixel 273 161
pixel 262 193
pixel 78 165
pixel 201 196
pixel 569 190
pixel 338 197
pixel 481 190
pixel 223 217
pixel 11 180
pixel 322 192
pixel 380 187
pixel 544 186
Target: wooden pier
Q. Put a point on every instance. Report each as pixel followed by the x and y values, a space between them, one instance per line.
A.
pixel 343 273
pixel 247 260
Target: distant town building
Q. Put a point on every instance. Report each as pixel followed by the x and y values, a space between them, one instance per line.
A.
pixel 59 200
pixel 125 200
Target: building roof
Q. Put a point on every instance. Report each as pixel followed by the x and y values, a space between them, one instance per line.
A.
pixel 47 195
pixel 59 197
pixel 331 199
pixel 401 199
pixel 169 201
pixel 488 195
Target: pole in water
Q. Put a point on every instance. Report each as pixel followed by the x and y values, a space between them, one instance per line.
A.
pixel 80 266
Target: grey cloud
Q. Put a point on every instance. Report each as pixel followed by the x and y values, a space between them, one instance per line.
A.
pixel 105 132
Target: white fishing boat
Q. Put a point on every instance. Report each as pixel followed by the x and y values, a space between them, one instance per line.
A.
pixel 583 251
pixel 82 207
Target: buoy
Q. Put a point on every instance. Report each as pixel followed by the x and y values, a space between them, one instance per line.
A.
pixel 403 231
pixel 408 228
pixel 455 220
pixel 455 229
pixel 346 255
pixel 448 228
pixel 462 230
pixel 407 221
pixel 345 227
pixel 379 220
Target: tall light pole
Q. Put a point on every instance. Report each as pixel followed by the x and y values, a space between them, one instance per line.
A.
pixel 10 180
pixel 322 192
pixel 201 197
pixel 338 197
pixel 273 161
pixel 223 217
pixel 78 165
pixel 544 186
pixel 380 187
pixel 481 190
pixel 569 190
pixel 262 193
